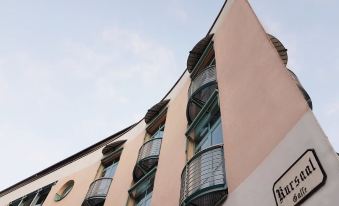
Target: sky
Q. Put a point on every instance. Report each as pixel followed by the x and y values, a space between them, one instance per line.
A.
pixel 74 72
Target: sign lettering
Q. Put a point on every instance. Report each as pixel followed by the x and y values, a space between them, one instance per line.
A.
pixel 303 178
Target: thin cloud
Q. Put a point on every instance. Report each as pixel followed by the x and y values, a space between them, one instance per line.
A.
pixel 93 90
pixel 333 109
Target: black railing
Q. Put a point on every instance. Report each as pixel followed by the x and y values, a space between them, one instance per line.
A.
pixel 147 158
pixel 200 90
pixel 150 149
pixel 205 77
pixel 302 89
pixel 97 191
pixel 203 180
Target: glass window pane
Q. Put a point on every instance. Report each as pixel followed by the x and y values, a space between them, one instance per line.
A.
pixel 159 133
pixel 36 199
pixel 148 199
pixel 27 200
pixel 217 137
pixel 15 203
pixel 203 144
pixel 42 198
pixel 109 170
pixel 144 193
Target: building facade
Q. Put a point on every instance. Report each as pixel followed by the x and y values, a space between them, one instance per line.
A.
pixel 236 129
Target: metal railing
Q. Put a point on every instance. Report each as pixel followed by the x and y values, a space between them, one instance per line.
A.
pixel 150 149
pixel 204 174
pixel 200 90
pixel 302 89
pixel 99 188
pixel 147 158
pixel 205 77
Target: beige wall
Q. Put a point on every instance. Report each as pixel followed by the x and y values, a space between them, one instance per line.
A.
pixel 83 171
pixel 123 178
pixel 259 101
pixel 87 166
pixel 260 104
pixel 80 165
pixel 172 155
pixel 82 180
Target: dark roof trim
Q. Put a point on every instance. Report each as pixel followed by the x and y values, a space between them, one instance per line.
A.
pixel 93 147
pixel 209 31
pixel 79 154
pixel 216 19
pixel 113 146
pixel 198 51
pixel 154 111
pixel 66 161
pixel 282 51
pixel 199 48
pixel 175 84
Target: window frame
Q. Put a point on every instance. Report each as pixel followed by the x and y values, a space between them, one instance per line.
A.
pixel 149 178
pixel 211 103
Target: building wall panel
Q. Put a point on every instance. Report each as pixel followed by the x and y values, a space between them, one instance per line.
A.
pixel 257 188
pixel 172 155
pixel 259 101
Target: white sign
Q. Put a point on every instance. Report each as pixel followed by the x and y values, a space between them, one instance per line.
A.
pixel 302 179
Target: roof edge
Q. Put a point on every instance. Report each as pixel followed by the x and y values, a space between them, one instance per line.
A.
pixel 67 161
pixel 216 18
pixel 95 146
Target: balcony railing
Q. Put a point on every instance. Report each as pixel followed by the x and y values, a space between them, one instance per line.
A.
pixel 203 180
pixel 147 158
pixel 97 192
pixel 199 91
pixel 301 88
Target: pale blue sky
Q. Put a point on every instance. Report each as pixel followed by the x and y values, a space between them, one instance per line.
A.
pixel 75 72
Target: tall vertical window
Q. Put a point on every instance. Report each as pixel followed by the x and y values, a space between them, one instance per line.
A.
pixel 159 133
pixel 144 196
pixel 210 132
pixel 109 169
pixel 141 192
pixel 27 200
pixel 203 178
pixel 40 198
pixel 99 188
pixel 205 131
pixel 144 170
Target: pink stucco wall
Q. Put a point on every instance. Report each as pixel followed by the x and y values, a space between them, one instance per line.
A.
pixel 172 155
pixel 82 180
pixel 259 100
pixel 123 178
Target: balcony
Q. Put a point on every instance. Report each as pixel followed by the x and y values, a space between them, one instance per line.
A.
pixel 199 91
pixel 203 180
pixel 282 51
pixel 97 192
pixel 147 158
pixel 301 88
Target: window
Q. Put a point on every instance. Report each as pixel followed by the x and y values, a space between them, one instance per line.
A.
pixel 15 203
pixel 141 192
pixel 35 198
pixel 210 134
pixel 64 190
pixel 206 168
pixel 144 196
pixel 159 133
pixel 40 198
pixel 109 169
pixel 26 201
pixel 98 189
pixel 205 130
